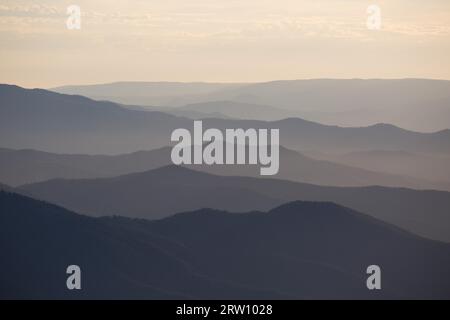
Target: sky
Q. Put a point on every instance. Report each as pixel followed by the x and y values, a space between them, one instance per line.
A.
pixel 221 41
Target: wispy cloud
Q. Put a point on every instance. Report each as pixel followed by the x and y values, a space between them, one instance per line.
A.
pixel 294 33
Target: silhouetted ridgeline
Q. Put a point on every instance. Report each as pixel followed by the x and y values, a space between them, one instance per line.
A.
pixel 29 166
pixel 298 250
pixel 168 190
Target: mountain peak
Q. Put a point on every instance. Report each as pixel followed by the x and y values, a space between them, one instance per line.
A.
pixel 383 125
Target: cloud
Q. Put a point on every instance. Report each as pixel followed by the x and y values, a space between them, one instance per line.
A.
pixel 30 11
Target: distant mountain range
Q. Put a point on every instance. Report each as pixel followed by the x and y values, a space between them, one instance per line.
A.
pixel 236 110
pixel 139 227
pixel 300 250
pixel 164 191
pixel 29 166
pixel 221 110
pixel 44 120
pixel 352 102
pixel 418 165
pixel 147 93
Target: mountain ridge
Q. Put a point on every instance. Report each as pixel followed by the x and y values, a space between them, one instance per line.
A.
pixel 150 194
pixel 26 166
pixel 347 102
pixel 53 124
pixel 285 255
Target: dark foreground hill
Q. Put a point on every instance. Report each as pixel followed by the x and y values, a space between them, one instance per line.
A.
pixel 300 250
pixel 4 187
pixel 168 190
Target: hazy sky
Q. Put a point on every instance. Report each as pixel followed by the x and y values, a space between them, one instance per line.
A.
pixel 229 40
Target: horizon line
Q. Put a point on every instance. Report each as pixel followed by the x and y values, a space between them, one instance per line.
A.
pixel 240 82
